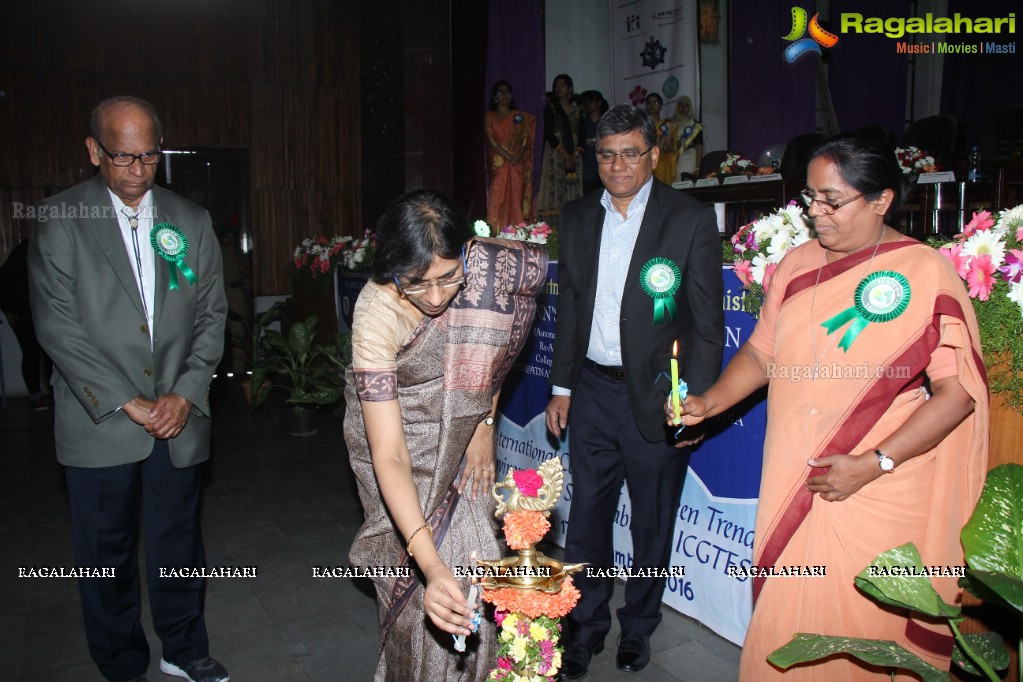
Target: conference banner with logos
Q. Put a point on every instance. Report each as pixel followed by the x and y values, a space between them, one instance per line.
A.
pixel 714 528
pixel 655 50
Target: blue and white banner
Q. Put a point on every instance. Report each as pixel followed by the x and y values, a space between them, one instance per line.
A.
pixel 717 511
pixel 654 43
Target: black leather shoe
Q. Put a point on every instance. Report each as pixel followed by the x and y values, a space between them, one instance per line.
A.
pixel 633 652
pixel 576 660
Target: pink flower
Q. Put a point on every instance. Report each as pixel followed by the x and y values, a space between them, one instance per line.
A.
pixel 768 274
pixel 981 221
pixel 504 663
pixel 981 278
pixel 499 616
pixel 954 252
pixel 528 481
pixel 522 627
pixel 1012 271
pixel 743 272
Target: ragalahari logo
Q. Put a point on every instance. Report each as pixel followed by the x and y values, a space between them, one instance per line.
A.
pixel 801 46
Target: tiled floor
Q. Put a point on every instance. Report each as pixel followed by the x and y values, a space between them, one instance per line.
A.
pixel 277 502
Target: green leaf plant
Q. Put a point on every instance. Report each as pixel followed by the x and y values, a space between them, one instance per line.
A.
pixel 315 373
pixel 993 545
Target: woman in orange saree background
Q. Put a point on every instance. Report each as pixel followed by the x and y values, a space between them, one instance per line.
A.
pixel 509 134
pixel 877 430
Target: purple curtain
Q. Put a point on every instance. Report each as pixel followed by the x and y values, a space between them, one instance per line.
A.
pixel 867 75
pixel 770 100
pixel 515 53
pixel 974 85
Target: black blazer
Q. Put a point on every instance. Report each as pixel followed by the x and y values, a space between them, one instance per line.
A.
pixel 677 227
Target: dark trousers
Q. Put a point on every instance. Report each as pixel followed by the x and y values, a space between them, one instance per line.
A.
pixel 606 448
pixel 104 521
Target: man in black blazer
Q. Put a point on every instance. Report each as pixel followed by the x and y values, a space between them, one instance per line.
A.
pixel 134 357
pixel 639 268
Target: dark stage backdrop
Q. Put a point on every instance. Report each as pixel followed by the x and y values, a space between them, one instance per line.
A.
pixel 275 78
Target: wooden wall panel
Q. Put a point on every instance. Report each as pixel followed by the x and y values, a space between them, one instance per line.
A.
pixel 278 78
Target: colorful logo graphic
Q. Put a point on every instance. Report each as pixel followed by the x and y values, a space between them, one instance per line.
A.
pixel 670 87
pixel 653 53
pixel 637 96
pixel 801 46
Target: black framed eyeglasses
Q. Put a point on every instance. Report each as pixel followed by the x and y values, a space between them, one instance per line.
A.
pixel 124 159
pixel 630 156
pixel 829 207
pixel 420 288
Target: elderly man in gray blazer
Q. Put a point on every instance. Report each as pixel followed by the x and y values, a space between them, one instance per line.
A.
pixel 128 300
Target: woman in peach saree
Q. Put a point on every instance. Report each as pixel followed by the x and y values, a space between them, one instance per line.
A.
pixel 509 134
pixel 877 429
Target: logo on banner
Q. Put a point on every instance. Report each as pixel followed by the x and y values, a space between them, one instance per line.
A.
pixel 670 87
pixel 802 46
pixel 631 23
pixel 653 53
pixel 637 96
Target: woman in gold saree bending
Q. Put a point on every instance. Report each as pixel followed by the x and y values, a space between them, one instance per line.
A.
pixel 434 334
pixel 877 429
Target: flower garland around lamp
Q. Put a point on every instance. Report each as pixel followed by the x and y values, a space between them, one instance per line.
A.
pixel 914 161
pixel 758 247
pixel 531 592
pixel 988 255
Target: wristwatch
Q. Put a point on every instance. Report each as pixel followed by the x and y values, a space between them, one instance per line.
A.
pixel 489 421
pixel 886 463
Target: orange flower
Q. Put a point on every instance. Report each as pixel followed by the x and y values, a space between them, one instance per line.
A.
pixel 533 603
pixel 523 528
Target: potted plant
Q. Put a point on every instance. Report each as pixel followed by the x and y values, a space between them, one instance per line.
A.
pixel 252 341
pixel 992 539
pixel 314 373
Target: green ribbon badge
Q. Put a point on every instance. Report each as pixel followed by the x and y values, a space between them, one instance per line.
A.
pixel 660 279
pixel 171 244
pixel 880 297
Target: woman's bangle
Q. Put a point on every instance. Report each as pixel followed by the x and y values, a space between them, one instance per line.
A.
pixel 408 545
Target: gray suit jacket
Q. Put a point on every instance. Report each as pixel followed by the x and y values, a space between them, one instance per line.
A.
pixel 89 318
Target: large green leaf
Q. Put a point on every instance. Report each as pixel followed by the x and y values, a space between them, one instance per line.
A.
pixel 988 645
pixel 805 648
pixel 993 537
pixel 889 579
pixel 300 336
pixel 996 588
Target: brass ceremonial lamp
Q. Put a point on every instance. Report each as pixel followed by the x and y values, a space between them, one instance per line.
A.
pixel 529 569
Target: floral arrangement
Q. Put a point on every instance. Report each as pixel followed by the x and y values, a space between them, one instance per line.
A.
pixel 988 255
pixel 758 247
pixel 914 161
pixel 541 232
pixel 314 260
pixel 528 643
pixel 737 164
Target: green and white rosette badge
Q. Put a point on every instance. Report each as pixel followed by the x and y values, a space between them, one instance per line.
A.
pixel 880 297
pixel 660 279
pixel 171 244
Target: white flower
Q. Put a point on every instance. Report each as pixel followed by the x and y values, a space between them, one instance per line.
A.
pixel 767 227
pixel 481 228
pixel 1009 220
pixel 759 267
pixel 780 244
pixel 1016 294
pixel 985 243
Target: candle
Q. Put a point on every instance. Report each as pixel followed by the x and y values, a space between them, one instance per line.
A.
pixel 676 402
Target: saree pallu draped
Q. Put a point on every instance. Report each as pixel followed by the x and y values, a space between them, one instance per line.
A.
pixel 447 373
pixel 510 193
pixel 557 188
pixel 860 397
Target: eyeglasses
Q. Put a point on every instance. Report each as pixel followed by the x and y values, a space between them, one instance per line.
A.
pixel 123 159
pixel 829 207
pixel 629 156
pixel 420 288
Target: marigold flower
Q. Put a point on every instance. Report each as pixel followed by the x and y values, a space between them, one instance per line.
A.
pixel 524 528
